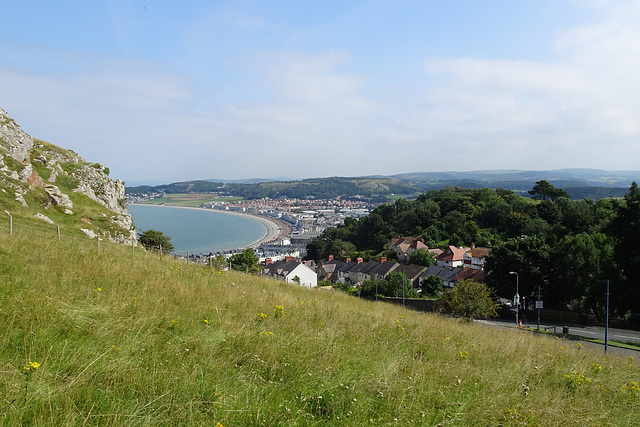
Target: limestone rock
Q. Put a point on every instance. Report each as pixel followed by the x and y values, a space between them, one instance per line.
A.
pixel 95 183
pixel 44 218
pixel 20 198
pixel 57 197
pixel 89 233
pixel 14 140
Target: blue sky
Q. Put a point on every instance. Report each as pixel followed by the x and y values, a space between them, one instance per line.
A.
pixel 164 91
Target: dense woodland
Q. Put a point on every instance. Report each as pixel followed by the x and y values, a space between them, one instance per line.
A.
pixel 568 248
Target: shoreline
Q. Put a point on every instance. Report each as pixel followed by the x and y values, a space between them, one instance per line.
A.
pixel 273 228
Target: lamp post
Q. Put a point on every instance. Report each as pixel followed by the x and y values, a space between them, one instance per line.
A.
pixel 516 298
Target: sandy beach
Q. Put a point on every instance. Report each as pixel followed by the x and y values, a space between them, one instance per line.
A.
pixel 274 228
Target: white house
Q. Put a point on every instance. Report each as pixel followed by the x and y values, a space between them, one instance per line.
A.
pixel 452 257
pixel 476 258
pixel 293 272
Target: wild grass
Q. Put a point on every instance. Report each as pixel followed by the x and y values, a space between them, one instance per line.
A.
pixel 151 341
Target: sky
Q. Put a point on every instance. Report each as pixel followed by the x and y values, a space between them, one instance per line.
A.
pixel 165 91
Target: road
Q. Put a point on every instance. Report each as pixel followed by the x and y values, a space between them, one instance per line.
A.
pixel 594 332
pixel 589 332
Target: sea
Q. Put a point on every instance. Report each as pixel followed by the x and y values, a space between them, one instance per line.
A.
pixel 198 230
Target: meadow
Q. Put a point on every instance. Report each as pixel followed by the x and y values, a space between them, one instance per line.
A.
pixel 100 336
pixel 192 200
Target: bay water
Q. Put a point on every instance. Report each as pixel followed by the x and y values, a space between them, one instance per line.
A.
pixel 197 230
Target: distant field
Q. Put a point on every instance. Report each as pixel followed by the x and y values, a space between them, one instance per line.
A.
pixel 191 199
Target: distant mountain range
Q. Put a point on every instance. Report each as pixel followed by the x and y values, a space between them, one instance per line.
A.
pixel 579 183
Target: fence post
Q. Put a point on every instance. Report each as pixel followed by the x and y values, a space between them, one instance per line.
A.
pixel 98 237
pixel 58 227
pixel 10 223
pixel 132 249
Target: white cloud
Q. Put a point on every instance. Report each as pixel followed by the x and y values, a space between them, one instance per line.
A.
pixel 580 110
pixel 247 110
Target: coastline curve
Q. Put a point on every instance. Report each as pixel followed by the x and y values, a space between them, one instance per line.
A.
pixel 273 228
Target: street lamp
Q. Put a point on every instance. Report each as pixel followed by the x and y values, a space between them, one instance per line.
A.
pixel 516 298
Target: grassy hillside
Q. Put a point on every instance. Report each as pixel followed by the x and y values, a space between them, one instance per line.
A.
pixel 98 337
pixel 87 213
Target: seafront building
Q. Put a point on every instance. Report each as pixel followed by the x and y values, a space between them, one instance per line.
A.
pixel 305 219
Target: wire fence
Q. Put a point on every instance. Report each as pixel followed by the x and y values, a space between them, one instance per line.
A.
pixel 23 226
pixel 20 226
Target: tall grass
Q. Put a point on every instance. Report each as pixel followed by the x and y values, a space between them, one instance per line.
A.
pixel 150 341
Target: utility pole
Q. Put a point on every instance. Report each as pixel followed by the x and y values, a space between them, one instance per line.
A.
pixel 403 292
pixel 606 324
pixel 539 307
pixel 516 298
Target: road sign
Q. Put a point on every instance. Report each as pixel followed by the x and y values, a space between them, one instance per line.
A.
pixel 539 304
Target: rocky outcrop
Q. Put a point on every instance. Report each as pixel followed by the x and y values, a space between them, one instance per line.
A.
pixel 53 174
pixel 57 198
pixel 95 183
pixel 14 141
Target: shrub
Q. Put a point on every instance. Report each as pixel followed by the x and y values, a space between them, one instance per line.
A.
pixel 468 300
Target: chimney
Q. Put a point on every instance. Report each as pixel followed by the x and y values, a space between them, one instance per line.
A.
pixel 383 259
pixel 359 259
pixel 348 260
pixel 268 261
pixel 330 257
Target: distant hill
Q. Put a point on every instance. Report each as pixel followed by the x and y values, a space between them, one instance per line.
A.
pixel 579 183
pixel 326 188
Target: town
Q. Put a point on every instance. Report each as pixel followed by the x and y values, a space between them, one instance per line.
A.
pixel 300 220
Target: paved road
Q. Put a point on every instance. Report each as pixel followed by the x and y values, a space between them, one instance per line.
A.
pixel 596 332
pixel 591 332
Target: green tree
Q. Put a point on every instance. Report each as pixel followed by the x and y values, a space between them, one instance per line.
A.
pixel 582 264
pixel 155 240
pixel 530 257
pixel 432 287
pixel 543 190
pixel 625 228
pixel 468 300
pixel 391 286
pixel 422 257
pixel 245 260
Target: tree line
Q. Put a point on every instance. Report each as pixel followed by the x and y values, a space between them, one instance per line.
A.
pixel 566 248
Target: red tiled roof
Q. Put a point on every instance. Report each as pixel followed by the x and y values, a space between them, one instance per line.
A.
pixel 452 254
